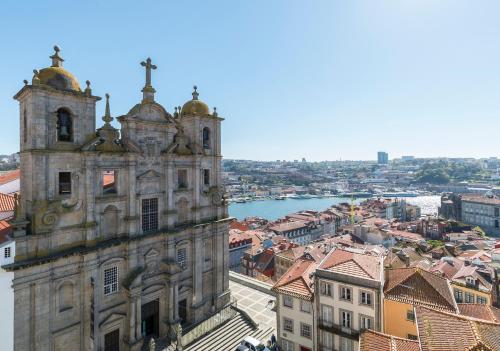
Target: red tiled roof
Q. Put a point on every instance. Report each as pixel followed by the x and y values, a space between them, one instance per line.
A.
pixel 443 331
pixel 297 280
pixel 374 341
pixel 480 311
pixel 419 287
pixel 6 203
pixel 10 176
pixel 351 263
pixel 287 226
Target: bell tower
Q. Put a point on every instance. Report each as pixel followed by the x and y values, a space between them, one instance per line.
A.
pixel 55 115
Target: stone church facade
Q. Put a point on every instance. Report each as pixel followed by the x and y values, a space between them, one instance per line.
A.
pixel 120 234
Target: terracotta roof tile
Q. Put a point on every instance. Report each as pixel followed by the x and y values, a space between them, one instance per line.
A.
pixel 415 285
pixel 480 311
pixel 442 331
pixel 10 176
pixel 297 280
pixel 6 203
pixel 374 341
pixel 351 263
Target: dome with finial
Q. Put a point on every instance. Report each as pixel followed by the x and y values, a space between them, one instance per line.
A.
pixel 195 106
pixel 56 76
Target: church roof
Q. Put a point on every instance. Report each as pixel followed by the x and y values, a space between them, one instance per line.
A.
pixel 195 106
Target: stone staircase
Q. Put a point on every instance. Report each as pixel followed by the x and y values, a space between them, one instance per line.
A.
pixel 228 336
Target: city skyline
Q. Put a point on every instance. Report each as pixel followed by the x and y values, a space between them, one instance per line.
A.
pixel 327 82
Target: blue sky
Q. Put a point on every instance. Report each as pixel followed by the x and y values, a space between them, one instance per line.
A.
pixel 318 79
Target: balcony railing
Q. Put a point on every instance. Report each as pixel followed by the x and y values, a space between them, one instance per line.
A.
pixel 339 329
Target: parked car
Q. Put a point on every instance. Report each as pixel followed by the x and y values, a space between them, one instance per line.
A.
pixel 251 344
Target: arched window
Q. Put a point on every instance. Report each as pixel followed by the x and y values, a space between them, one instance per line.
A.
pixel 65 296
pixel 64 125
pixel 206 138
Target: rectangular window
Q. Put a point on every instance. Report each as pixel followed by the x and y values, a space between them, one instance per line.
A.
pixel 110 280
pixel 469 298
pixel 345 344
pixel 412 337
pixel 326 341
pixel 497 212
pixel 346 318
pixel 305 330
pixel 482 300
pixel 366 298
pixel 305 306
pixel 182 179
pixel 182 258
pixel 287 345
pixel 325 289
pixel 345 293
pixel 64 183
pixel 6 252
pixel 206 177
pixel 410 315
pixel 288 325
pixel 458 295
pixel 288 301
pixel 109 182
pixel 326 315
pixel 365 322
pixel 149 214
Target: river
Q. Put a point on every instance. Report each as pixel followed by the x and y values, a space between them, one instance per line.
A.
pixel 274 209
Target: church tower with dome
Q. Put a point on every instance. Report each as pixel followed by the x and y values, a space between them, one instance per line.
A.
pixel 121 234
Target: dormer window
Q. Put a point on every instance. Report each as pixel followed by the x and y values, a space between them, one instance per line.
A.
pixel 206 138
pixel 470 280
pixel 64 125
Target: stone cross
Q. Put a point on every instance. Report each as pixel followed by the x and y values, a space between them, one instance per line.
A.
pixel 149 66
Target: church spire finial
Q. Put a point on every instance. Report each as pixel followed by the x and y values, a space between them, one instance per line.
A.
pixel 57 61
pixel 148 90
pixel 107 114
pixel 195 93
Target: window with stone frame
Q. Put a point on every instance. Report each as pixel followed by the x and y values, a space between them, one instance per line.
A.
pixel 182 258
pixel 469 297
pixel 64 183
pixel 325 288
pixel 287 301
pixel 288 324
pixel 110 280
pixel 206 138
pixel 326 315
pixel 481 300
pixel 345 293
pixel 305 306
pixel 326 340
pixel 206 177
pixel 346 344
pixel 365 298
pixel 65 293
pixel 305 330
pixel 287 345
pixel 345 319
pixel 6 252
pixel 149 214
pixel 108 179
pixel 365 322
pixel 182 179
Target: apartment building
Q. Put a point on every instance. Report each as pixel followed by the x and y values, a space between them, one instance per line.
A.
pixel 295 314
pixel 348 299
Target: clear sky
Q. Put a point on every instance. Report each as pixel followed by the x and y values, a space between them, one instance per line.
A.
pixel 318 79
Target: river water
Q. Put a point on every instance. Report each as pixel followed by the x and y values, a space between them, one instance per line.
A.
pixel 274 209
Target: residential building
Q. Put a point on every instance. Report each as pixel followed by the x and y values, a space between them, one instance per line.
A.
pixel 239 242
pixel 297 231
pixel 105 265
pixel 482 211
pixel 7 245
pixel 295 309
pixel 348 298
pixel 406 288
